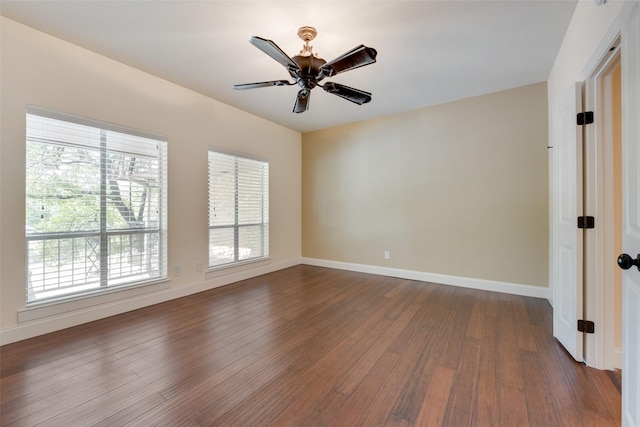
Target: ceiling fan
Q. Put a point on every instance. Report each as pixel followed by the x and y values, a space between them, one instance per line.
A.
pixel 308 69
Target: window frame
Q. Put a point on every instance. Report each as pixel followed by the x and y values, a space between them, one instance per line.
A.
pixel 237 225
pixel 152 235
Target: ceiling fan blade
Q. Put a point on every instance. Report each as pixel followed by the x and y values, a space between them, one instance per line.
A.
pixel 302 101
pixel 262 84
pixel 354 95
pixel 272 49
pixel 356 57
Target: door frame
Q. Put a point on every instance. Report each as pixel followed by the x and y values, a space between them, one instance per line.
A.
pixel 600 250
pixel 601 350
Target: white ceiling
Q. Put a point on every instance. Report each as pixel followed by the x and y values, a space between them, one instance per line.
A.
pixel 429 52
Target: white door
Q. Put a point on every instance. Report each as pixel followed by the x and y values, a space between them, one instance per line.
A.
pixel 631 218
pixel 567 244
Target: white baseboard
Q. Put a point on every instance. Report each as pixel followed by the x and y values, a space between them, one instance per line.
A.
pixel 54 322
pixel 617 358
pixel 465 282
pixel 51 321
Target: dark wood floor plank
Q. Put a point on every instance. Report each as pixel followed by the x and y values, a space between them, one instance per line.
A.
pixel 434 406
pixel 513 407
pixel 356 404
pixel 436 341
pixel 310 346
pixel 561 371
pixel 407 381
pixel 537 396
pixel 324 375
pixel 487 397
pixel 321 377
pixel 293 367
pixel 224 387
pixel 476 318
pixel 133 409
pixel 461 405
pixel 351 379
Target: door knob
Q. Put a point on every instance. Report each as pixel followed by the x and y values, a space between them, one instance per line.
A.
pixel 625 261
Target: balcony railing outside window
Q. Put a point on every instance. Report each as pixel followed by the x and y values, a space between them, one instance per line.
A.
pixel 63 264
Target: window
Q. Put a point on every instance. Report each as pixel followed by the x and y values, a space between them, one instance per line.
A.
pixel 95 206
pixel 238 208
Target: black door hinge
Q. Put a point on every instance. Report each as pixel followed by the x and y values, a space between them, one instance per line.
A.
pixel 585 118
pixel 586 326
pixel 586 222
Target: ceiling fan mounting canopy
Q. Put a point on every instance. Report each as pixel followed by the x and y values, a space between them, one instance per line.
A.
pixel 307 34
pixel 308 69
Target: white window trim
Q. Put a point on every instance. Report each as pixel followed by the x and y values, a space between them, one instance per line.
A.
pixel 211 270
pixel 74 301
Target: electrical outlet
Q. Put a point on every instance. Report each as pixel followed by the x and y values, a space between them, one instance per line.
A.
pixel 387 255
pixel 199 267
pixel 177 270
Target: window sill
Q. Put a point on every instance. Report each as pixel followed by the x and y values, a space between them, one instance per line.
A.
pixel 40 310
pixel 213 272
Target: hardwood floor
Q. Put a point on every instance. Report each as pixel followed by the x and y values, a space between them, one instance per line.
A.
pixel 310 346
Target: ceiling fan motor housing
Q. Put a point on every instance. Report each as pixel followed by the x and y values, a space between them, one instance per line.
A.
pixel 309 73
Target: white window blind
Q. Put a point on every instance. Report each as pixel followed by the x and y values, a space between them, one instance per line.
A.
pixel 238 208
pixel 95 206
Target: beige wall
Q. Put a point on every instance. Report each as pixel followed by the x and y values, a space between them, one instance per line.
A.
pixel 44 71
pixel 458 189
